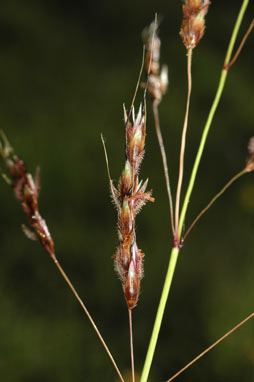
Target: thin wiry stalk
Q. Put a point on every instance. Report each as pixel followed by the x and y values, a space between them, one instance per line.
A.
pixel 235 31
pixel 164 161
pixel 244 171
pixel 137 84
pixel 66 278
pixel 237 53
pixel 182 151
pixel 131 346
pixel 210 347
pixel 248 168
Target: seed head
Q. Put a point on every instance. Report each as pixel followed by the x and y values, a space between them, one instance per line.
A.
pixel 193 25
pixel 129 199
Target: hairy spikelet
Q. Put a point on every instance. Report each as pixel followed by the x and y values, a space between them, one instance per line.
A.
pixel 131 197
pixel 193 25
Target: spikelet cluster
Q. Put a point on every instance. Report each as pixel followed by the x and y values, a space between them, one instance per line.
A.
pixel 26 190
pixel 193 25
pixel 157 79
pixel 129 198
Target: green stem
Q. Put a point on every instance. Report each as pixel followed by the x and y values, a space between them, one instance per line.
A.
pixel 160 313
pixel 216 101
pixel 175 251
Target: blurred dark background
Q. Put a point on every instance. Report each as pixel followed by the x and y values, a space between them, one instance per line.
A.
pixel 66 67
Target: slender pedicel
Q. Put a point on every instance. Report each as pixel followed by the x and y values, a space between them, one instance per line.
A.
pixel 192 30
pixel 131 345
pixel 249 166
pixel 211 347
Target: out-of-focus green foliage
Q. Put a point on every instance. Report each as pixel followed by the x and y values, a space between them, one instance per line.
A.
pixel 65 70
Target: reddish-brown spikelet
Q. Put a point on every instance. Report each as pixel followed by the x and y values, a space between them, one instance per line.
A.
pixel 26 190
pixel 131 197
pixel 193 26
pixel 157 80
pixel 250 161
